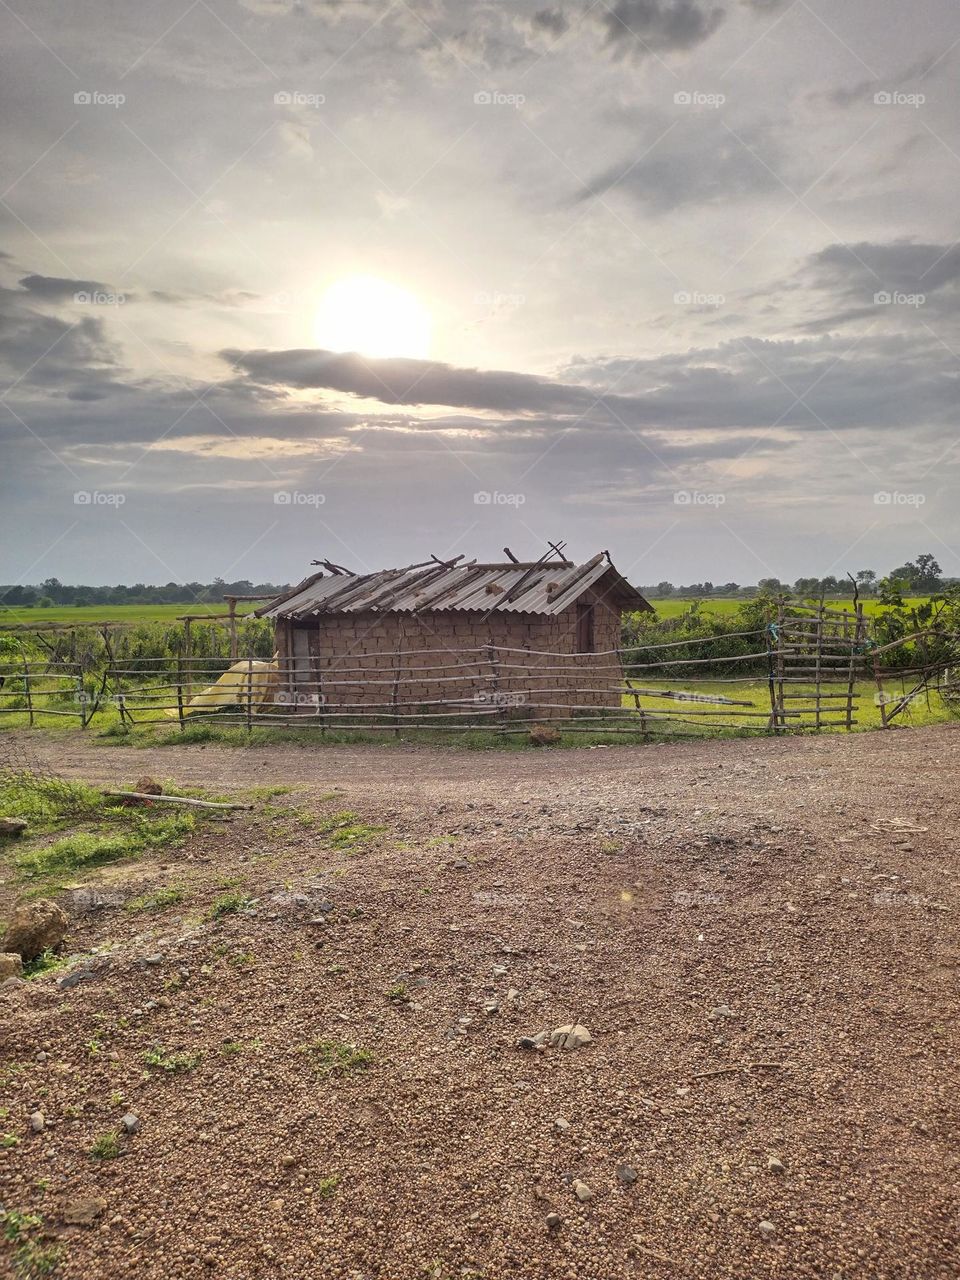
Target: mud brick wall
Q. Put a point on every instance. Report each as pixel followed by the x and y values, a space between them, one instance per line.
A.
pixel 352 662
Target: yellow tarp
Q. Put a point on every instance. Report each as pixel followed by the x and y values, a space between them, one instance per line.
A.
pixel 243 680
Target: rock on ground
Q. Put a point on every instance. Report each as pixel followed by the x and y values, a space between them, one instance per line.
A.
pixel 35 927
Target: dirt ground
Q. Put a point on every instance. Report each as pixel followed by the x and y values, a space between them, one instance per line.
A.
pixel 760 936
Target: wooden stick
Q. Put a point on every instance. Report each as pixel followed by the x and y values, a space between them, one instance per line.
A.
pixel 200 804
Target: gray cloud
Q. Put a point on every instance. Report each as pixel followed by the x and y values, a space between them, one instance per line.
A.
pixel 60 289
pixel 637 28
pixel 704 164
pixel 554 22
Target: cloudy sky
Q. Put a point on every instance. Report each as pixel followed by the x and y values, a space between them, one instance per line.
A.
pixel 286 279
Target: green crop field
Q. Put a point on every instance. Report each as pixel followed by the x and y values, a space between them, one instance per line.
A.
pixel 89 614
pixel 724 606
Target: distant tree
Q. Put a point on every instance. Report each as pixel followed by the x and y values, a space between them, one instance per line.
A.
pixel 45 602
pixel 665 589
pixel 771 586
pixel 867 579
pixel 922 575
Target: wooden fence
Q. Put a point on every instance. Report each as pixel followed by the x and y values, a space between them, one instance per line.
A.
pixel 809 669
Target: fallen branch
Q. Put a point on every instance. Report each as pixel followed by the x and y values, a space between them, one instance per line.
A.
pixel 200 804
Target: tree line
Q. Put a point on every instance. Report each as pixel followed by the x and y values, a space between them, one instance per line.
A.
pixel 52 591
pixel 922 576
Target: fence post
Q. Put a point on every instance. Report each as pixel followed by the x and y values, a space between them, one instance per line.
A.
pixel 26 689
pixel 180 694
pixel 249 694
pixel 770 632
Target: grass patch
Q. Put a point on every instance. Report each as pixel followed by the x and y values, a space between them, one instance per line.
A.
pixel 158 901
pixel 334 1058
pixel 344 830
pixel 81 851
pixel 233 1048
pixel 45 802
pixel 73 854
pixel 46 962
pixel 15 1224
pixel 106 1146
pixel 327 1187
pixel 398 993
pixel 228 904
pixel 169 1061
pixel 32 1260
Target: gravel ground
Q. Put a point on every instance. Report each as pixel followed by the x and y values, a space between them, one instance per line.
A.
pixel 768 968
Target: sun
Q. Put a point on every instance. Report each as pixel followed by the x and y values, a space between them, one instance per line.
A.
pixel 374 318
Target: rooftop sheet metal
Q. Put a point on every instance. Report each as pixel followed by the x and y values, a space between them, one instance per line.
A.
pixel 499 588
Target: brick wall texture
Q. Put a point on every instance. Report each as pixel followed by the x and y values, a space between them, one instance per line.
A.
pixel 432 664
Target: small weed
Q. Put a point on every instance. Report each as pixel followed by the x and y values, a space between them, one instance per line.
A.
pixel 94 1048
pixel 32 1261
pixel 334 1058
pixel 335 970
pixel 9 1141
pixel 232 1048
pixel 327 1187
pixel 173 1063
pixel 15 1224
pixel 106 1146
pixel 158 901
pixel 228 904
pixel 116 1098
pixel 345 830
pixel 46 962
pixel 398 994
pixel 243 960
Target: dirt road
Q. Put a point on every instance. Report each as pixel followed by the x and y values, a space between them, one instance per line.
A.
pixel 760 936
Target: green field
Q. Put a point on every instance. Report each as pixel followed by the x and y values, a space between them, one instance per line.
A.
pixel 85 615
pixel 88 614
pixel 724 606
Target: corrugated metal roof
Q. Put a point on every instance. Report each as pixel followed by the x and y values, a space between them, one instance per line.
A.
pixel 546 588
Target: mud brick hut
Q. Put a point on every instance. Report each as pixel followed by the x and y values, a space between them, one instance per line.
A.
pixel 449 638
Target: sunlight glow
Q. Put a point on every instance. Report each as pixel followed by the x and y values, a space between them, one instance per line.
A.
pixel 372 317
